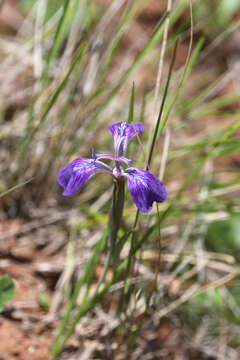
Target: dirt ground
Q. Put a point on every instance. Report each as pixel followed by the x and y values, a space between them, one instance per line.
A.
pixel 25 331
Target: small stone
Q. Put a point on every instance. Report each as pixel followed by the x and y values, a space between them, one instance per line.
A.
pixel 22 253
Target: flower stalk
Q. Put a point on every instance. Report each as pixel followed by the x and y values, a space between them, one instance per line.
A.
pixel 116 211
pixel 144 187
pixel 115 218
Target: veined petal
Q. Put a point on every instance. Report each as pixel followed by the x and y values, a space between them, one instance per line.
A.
pixel 122 133
pixel 74 175
pixel 125 160
pixel 145 188
pixel 113 158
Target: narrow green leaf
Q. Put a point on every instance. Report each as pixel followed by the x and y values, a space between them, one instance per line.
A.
pixel 14 188
pixel 157 126
pixel 131 105
pixel 29 136
pixel 118 36
pixel 69 10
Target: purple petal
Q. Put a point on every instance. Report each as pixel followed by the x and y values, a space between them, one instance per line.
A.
pixel 125 160
pixel 145 188
pixel 74 175
pixel 139 127
pixel 122 133
pixel 113 158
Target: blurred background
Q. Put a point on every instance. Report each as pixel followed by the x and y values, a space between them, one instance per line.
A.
pixel 67 70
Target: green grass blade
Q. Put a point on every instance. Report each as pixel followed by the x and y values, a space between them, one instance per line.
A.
pixel 131 105
pixel 29 137
pixel 214 105
pixel 143 106
pixel 118 36
pixel 85 278
pixel 69 10
pixel 157 126
pixel 174 96
pixel 15 188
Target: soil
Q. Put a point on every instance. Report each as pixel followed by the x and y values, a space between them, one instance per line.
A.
pixel 25 331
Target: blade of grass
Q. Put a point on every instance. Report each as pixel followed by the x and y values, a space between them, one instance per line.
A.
pixel 213 105
pixel 131 105
pixel 202 143
pixel 69 10
pixel 29 137
pixel 157 126
pixel 173 98
pixel 143 106
pixel 86 278
pixel 15 188
pixel 117 37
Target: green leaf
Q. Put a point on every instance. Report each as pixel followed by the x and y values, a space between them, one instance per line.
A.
pixel 7 290
pixel 224 235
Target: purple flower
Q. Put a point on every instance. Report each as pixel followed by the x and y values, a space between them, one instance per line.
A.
pixel 122 133
pixel 144 187
pixel 73 176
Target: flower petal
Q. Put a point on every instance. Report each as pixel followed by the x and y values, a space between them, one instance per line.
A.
pixel 122 133
pixel 113 158
pixel 145 188
pixel 74 175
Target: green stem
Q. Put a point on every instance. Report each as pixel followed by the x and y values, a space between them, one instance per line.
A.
pixel 116 211
pixel 122 300
pixel 115 218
